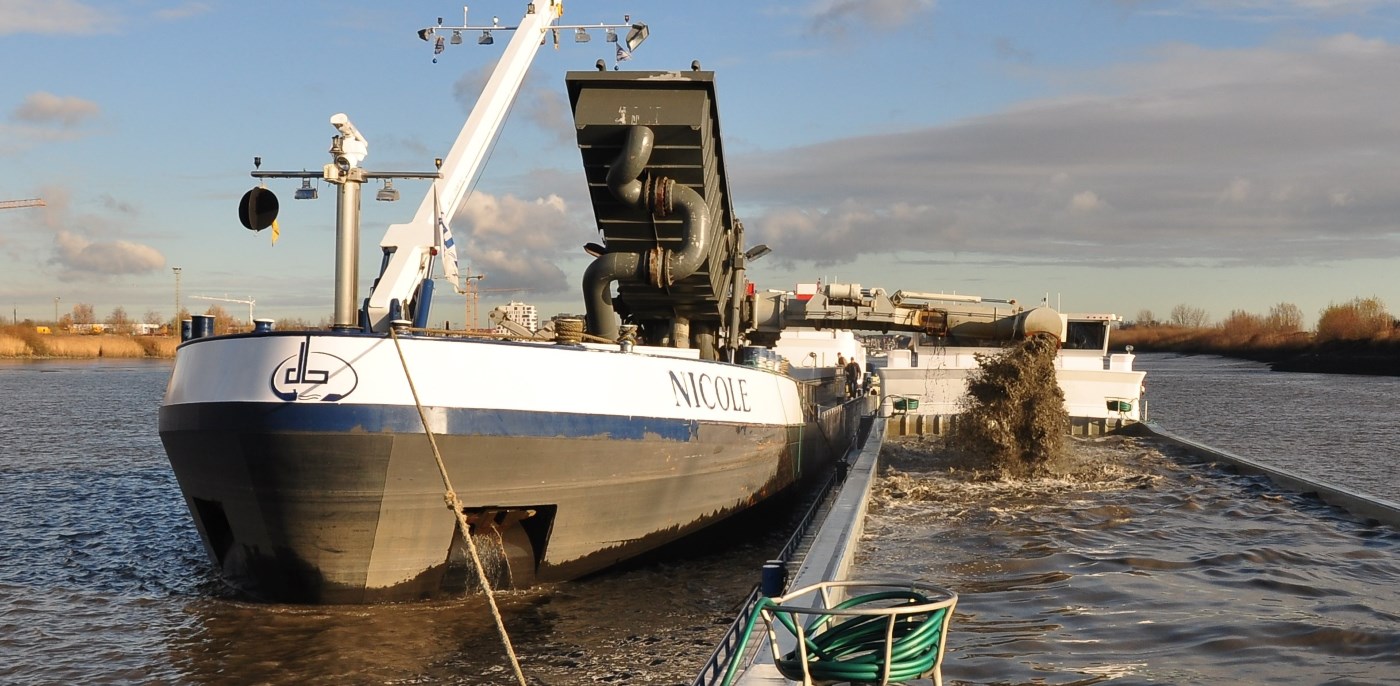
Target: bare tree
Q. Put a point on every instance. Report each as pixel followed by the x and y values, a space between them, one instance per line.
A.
pixel 153 318
pixel 118 321
pixel 1284 318
pixel 1145 318
pixel 83 315
pixel 1189 317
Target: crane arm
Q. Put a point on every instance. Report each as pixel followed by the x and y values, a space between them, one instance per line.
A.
pixel 409 246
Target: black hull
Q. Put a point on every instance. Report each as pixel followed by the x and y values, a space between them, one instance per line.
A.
pixel 356 514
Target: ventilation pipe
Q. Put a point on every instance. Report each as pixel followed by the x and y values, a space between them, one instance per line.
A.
pixel 659 266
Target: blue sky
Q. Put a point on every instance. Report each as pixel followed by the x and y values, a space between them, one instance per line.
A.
pixel 1110 155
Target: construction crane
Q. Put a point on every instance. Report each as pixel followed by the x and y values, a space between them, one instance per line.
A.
pixel 473 290
pixel 16 204
pixel 249 302
pixel 474 300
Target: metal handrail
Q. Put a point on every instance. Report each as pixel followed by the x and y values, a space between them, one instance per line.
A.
pixel 725 650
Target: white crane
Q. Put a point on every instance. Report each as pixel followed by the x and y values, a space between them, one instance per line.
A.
pixel 16 204
pixel 249 302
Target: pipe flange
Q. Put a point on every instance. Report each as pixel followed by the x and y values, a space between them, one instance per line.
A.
pixel 661 197
pixel 655 266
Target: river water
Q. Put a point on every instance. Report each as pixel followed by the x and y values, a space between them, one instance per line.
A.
pixel 1139 569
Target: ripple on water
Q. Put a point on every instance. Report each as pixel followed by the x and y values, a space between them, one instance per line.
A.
pixel 1135 568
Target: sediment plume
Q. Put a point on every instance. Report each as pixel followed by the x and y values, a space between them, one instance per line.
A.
pixel 1014 413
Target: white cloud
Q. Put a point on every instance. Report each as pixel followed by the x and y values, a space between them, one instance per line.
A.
pixel 839 17
pixel 1237 191
pixel 1085 201
pixel 1233 155
pixel 45 108
pixel 66 17
pixel 81 257
pixel 73 249
pixel 515 242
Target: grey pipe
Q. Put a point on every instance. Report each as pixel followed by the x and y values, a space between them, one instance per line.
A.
pixel 624 175
pixel 597 289
pixel 658 267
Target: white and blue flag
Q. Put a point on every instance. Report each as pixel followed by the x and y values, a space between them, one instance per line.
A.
pixel 447 246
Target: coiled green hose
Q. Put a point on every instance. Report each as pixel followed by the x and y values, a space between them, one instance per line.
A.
pixel 854 649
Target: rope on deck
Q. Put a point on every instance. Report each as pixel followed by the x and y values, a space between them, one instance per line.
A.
pixel 450 496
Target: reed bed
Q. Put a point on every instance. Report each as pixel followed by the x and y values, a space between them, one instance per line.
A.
pixel 23 343
pixel 12 346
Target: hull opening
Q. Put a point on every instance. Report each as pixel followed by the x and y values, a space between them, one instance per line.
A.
pixel 511 543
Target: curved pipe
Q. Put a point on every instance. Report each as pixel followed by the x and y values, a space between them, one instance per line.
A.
pixel 695 231
pixel 658 267
pixel 597 289
pixel 624 175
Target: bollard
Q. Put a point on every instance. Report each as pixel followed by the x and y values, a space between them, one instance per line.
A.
pixel 203 325
pixel 186 330
pixel 774 578
pixel 262 325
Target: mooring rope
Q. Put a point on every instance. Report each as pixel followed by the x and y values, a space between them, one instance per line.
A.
pixel 451 497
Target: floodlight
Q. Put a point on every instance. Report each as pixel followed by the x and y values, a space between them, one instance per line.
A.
pixel 485 39
pixel 388 193
pixel 306 192
pixel 581 36
pixel 636 36
pixel 611 37
pixel 757 251
pixel 456 38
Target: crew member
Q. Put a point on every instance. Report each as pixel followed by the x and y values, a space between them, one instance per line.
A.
pixel 852 378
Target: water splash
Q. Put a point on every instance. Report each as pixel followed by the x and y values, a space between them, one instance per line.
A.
pixel 1014 416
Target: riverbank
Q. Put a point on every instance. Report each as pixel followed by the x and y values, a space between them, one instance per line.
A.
pixel 28 345
pixel 1294 352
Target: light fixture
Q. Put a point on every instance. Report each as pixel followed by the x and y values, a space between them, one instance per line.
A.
pixel 611 37
pixel 456 37
pixel 757 251
pixel 485 39
pixel 636 36
pixel 306 192
pixel 388 193
pixel 581 36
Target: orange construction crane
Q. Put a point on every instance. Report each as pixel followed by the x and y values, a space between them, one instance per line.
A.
pixel 474 300
pixel 15 204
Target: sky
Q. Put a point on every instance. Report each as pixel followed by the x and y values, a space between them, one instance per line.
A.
pixel 1103 155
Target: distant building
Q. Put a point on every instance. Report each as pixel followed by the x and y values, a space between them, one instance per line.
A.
pixel 522 314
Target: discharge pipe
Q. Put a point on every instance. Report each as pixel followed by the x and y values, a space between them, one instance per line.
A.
pixel 659 267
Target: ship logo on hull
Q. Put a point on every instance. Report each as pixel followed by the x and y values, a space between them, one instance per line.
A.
pixel 313 376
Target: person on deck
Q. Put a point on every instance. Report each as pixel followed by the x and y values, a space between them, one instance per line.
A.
pixel 852 378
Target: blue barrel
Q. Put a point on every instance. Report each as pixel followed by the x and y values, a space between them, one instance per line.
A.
pixel 203 325
pixel 186 330
pixel 774 578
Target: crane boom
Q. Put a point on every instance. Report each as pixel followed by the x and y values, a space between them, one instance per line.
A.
pixel 409 246
pixel 15 204
pixel 250 302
